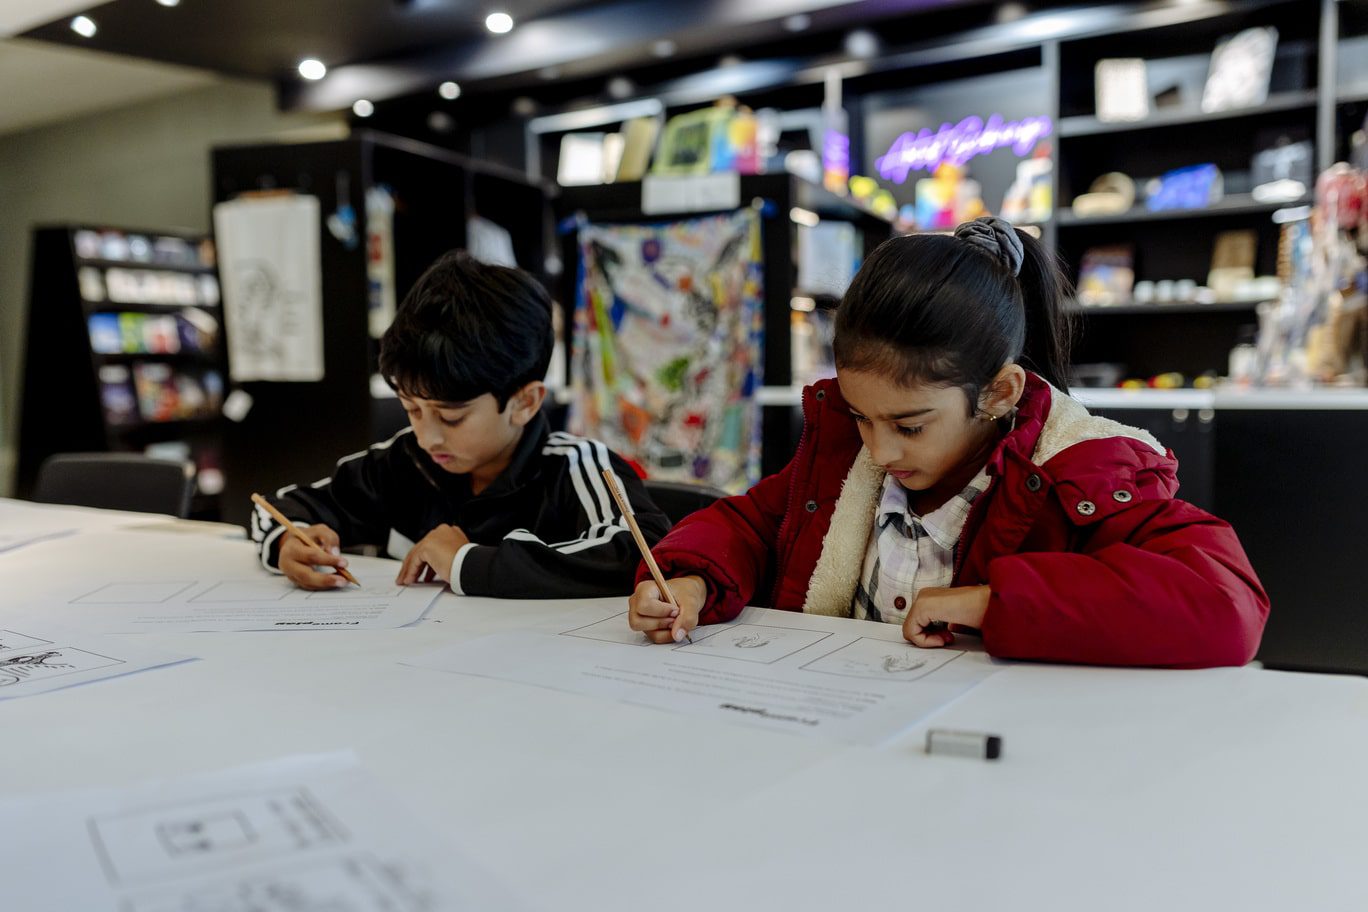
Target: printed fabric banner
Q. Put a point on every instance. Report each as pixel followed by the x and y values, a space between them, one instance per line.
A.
pixel 668 346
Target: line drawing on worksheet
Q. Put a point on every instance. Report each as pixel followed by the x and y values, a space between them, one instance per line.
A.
pixel 353 883
pixel 756 643
pixel 135 593
pixel 882 660
pixel 211 835
pixel 44 663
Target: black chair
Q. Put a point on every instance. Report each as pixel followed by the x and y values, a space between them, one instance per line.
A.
pixel 116 481
pixel 677 499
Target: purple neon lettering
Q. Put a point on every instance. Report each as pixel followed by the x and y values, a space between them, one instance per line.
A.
pixel 958 143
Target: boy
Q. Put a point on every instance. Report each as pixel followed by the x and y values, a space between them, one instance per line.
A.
pixel 496 503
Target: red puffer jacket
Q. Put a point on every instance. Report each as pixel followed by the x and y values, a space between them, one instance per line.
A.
pixel 1089 556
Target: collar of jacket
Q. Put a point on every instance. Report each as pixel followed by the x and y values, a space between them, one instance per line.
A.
pixel 524 467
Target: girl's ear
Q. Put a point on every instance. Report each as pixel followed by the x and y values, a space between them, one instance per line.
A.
pixel 526 402
pixel 1003 392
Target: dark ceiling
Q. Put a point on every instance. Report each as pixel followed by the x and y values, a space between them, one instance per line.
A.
pixel 380 49
pixel 267 38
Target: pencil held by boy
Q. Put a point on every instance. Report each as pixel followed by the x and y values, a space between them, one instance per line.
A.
pixel 947 483
pixel 477 491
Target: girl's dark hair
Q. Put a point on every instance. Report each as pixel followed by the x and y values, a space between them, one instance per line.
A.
pixel 468 328
pixel 938 309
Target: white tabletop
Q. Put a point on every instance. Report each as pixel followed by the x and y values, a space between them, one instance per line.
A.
pixel 1118 789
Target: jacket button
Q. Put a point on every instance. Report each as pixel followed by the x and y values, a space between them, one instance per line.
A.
pixel 900 603
pixel 1122 496
pixel 1086 508
pixel 1033 483
pixel 820 394
pixel 811 506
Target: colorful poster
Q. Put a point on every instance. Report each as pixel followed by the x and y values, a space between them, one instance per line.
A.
pixel 668 346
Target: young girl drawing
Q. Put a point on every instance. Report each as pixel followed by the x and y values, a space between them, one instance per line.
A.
pixel 945 482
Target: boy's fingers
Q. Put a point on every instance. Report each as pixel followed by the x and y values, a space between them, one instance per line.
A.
pixel 660 636
pixel 325 536
pixel 684 623
pixel 655 608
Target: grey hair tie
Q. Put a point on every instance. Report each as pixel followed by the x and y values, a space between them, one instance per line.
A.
pixel 998 237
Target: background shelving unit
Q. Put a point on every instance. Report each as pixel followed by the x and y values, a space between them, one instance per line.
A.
pixel 103 394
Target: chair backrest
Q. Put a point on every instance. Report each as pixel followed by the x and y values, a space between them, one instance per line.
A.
pixel 117 481
pixel 677 499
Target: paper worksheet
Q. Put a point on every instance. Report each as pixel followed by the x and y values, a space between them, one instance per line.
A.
pixel 166 599
pixel 303 833
pixel 36 657
pixel 854 681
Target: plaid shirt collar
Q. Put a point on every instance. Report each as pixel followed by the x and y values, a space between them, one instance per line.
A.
pixel 943 524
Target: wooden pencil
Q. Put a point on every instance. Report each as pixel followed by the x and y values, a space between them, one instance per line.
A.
pixel 298 533
pixel 621 497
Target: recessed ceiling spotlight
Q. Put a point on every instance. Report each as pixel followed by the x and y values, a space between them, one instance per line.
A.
pixel 664 48
pixel 862 43
pixel 797 23
pixel 730 60
pixel 620 87
pixel 84 26
pixel 441 122
pixel 1011 12
pixel 524 106
pixel 311 68
pixel 169 2
pixel 449 90
pixel 363 108
pixel 499 23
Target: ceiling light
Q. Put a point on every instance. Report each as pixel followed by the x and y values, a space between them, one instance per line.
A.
pixel 664 48
pixel 524 106
pixel 84 26
pixel 169 2
pixel 797 23
pixel 549 73
pixel 311 68
pixel 449 90
pixel 363 108
pixel 730 60
pixel 499 23
pixel 862 43
pixel 620 87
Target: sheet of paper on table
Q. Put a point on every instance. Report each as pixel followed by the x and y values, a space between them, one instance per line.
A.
pixel 854 681
pixel 308 832
pixel 166 597
pixel 36 657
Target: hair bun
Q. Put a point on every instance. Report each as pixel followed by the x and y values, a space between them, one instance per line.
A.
pixel 997 237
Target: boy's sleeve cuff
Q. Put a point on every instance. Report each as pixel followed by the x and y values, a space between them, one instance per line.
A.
pixel 456 563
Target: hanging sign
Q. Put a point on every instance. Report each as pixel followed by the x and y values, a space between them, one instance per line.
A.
pixel 957 143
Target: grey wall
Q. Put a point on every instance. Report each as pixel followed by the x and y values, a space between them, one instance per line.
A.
pixel 144 166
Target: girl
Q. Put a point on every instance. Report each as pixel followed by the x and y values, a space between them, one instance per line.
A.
pixel 944 482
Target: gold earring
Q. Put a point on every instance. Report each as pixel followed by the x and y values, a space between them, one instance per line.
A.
pixel 988 416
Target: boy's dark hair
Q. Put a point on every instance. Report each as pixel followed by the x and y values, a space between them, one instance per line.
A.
pixel 468 328
pixel 939 309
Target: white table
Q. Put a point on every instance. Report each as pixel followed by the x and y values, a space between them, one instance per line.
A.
pixel 1118 789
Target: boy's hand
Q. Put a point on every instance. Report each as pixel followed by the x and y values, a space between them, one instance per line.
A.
pixel 431 558
pixel 298 560
pixel 657 618
pixel 936 612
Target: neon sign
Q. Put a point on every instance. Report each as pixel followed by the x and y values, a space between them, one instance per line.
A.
pixel 957 143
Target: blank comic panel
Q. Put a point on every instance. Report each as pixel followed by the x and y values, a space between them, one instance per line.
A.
pixel 134 593
pixel 10 640
pixel 754 642
pixel 253 590
pixel 610 630
pixel 211 835
pixel 882 660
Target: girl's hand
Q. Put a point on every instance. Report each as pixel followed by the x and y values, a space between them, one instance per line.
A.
pixel 657 618
pixel 431 558
pixel 937 611
pixel 298 560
